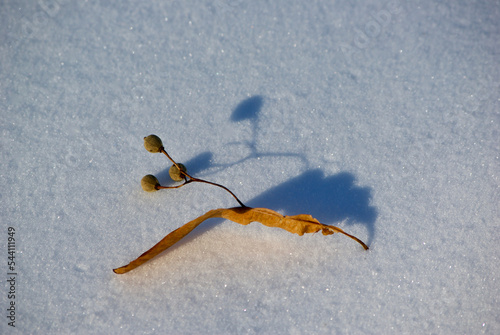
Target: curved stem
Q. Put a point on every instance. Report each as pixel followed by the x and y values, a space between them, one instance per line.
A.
pixel 186 175
pixel 221 186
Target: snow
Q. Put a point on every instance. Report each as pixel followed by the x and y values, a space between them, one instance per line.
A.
pixel 381 118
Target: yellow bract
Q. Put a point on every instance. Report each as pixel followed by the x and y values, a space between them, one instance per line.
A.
pixel 298 224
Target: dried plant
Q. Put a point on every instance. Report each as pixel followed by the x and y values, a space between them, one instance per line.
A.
pixel 298 224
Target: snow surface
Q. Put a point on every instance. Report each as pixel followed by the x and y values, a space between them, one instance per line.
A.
pixel 380 117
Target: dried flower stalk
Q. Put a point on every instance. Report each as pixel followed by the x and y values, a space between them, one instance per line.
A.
pixel 297 224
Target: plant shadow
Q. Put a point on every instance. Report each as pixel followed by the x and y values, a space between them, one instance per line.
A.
pixel 330 199
pixel 248 109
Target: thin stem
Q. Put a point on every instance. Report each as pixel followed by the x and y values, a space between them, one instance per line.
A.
pixel 159 187
pixel 356 239
pixel 186 175
pixel 221 186
pixel 162 149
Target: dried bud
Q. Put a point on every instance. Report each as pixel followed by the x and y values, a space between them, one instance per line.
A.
pixel 153 143
pixel 149 183
pixel 175 174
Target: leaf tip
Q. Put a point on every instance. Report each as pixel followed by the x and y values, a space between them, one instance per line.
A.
pixel 120 271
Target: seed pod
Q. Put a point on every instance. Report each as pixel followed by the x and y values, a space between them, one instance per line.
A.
pixel 149 183
pixel 153 143
pixel 175 174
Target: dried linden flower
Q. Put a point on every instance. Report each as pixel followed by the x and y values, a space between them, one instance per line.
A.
pixel 149 183
pixel 175 174
pixel 153 143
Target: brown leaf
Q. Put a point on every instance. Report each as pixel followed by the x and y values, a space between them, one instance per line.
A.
pixel 298 224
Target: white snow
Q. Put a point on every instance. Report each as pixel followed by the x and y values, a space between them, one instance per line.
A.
pixel 380 117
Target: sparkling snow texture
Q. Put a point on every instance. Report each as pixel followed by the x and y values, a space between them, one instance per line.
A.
pixel 380 117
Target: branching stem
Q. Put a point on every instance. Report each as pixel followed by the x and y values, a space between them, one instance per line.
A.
pixel 192 179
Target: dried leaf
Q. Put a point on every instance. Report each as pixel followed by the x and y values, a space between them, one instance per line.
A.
pixel 168 241
pixel 298 224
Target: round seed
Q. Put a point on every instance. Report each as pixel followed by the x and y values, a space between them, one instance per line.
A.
pixel 149 183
